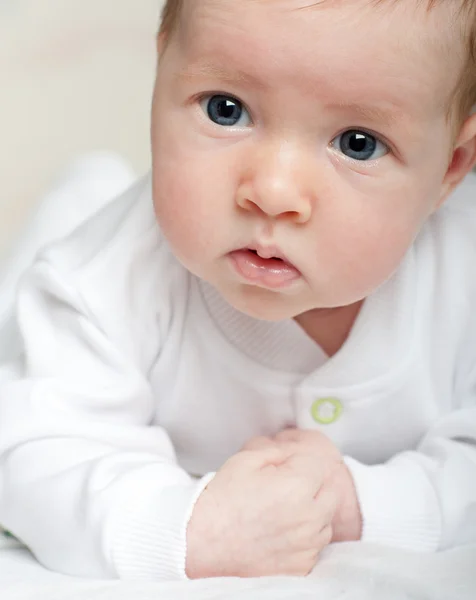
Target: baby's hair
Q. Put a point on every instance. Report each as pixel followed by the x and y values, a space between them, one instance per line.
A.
pixel 462 101
pixel 170 15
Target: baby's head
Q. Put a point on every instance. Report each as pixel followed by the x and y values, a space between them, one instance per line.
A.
pixel 322 133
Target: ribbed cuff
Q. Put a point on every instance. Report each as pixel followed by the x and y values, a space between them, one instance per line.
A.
pixel 150 542
pixel 398 503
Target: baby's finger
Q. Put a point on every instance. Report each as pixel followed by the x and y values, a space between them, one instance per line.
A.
pixel 306 466
pixel 289 436
pixel 302 436
pixel 326 504
pixel 324 538
pixel 259 443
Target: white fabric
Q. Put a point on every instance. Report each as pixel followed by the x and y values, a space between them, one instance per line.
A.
pixel 89 183
pixel 345 572
pixel 128 377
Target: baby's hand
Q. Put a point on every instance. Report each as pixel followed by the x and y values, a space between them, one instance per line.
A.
pixel 347 522
pixel 264 513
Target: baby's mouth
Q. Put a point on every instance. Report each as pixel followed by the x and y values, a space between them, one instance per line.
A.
pixel 267 260
pixel 267 267
pixel 265 257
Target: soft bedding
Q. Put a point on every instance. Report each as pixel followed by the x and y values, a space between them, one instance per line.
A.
pixel 345 572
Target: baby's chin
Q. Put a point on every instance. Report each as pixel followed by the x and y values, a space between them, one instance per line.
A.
pixel 273 306
pixel 264 305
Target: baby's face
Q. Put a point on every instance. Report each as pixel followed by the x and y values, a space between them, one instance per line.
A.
pixel 315 134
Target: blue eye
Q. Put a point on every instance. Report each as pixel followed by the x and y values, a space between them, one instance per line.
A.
pixel 226 111
pixel 360 145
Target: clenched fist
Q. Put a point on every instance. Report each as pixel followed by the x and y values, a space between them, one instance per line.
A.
pixel 266 512
pixel 347 523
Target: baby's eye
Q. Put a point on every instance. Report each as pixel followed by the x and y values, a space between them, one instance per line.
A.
pixel 360 145
pixel 226 111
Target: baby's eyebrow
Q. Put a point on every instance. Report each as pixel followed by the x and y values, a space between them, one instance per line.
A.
pixel 390 116
pixel 211 71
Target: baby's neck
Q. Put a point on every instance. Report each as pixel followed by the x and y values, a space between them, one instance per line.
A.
pixel 331 327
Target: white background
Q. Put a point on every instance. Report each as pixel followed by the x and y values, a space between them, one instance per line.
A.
pixel 75 75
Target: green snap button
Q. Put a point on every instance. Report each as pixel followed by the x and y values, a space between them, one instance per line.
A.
pixel 326 410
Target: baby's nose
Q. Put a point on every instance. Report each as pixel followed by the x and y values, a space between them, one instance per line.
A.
pixel 276 185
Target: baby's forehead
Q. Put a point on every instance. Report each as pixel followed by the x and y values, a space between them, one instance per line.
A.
pixel 456 7
pixel 300 38
pixel 439 21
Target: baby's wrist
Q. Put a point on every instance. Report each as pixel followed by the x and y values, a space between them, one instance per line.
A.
pixel 202 560
pixel 347 523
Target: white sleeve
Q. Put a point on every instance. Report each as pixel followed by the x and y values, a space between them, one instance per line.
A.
pixel 86 482
pixel 424 500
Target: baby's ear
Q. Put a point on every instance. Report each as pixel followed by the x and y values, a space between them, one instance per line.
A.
pixel 463 158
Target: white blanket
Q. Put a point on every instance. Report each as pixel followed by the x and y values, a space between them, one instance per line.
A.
pixel 345 572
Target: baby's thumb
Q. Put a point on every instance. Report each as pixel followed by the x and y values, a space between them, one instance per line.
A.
pixel 266 454
pixel 259 443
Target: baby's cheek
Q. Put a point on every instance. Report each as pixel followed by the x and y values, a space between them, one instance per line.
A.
pixel 373 254
pixel 186 213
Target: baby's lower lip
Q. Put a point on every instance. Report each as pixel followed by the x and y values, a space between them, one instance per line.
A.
pixel 267 272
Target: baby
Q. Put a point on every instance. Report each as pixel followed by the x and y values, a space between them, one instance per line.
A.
pixel 268 345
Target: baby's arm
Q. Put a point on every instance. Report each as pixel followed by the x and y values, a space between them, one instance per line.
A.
pixel 424 500
pixel 94 489
pixel 86 483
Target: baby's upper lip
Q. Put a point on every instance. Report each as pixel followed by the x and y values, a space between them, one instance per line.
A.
pixel 269 251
